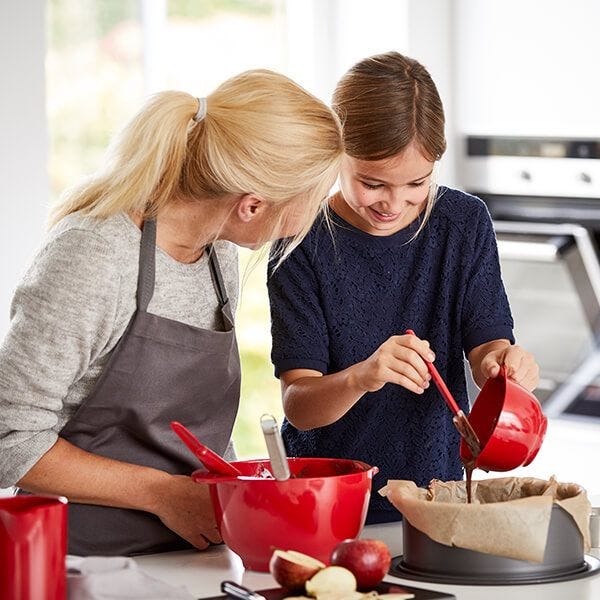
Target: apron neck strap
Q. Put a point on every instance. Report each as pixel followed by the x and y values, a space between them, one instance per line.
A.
pixel 147 267
pixel 145 288
pixel 215 270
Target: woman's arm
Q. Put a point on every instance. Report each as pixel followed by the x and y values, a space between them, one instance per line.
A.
pixel 181 504
pixel 311 399
pixel 62 316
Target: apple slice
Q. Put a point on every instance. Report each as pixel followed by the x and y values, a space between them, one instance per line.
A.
pixel 291 569
pixel 342 596
pixel 331 581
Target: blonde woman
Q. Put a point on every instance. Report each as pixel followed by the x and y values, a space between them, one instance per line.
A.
pixel 405 254
pixel 124 321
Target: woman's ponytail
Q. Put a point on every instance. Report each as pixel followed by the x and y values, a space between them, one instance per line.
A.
pixel 143 165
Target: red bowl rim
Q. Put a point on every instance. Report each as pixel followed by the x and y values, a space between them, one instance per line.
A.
pixel 366 468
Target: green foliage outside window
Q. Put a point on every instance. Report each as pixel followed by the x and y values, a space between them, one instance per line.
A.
pixel 94 84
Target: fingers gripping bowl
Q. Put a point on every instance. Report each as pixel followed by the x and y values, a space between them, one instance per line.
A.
pixel 509 423
pixel 324 502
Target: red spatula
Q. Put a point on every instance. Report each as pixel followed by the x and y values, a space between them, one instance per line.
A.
pixel 460 419
pixel 211 460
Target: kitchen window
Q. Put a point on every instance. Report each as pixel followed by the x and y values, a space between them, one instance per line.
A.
pixel 103 58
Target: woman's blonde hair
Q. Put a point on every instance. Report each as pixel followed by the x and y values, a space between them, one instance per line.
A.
pixel 387 102
pixel 261 133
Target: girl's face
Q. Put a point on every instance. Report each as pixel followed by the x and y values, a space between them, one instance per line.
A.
pixel 382 197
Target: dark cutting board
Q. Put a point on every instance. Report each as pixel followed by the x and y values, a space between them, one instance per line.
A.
pixel 384 587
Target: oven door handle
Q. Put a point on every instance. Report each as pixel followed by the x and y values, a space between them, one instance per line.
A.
pixel 557 242
pixel 547 250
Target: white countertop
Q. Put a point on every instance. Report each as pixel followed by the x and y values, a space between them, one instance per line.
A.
pixel 567 451
pixel 202 572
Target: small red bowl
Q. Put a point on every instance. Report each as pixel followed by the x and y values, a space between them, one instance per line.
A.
pixel 509 423
pixel 324 502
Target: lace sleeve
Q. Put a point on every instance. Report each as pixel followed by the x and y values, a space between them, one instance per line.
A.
pixel 298 327
pixel 486 312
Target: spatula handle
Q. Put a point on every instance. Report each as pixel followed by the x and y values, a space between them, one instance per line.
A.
pixel 460 419
pixel 440 384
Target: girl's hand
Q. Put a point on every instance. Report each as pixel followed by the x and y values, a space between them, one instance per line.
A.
pixel 520 365
pixel 399 360
pixel 185 507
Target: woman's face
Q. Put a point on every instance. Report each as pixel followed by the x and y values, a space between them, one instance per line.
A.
pixel 382 197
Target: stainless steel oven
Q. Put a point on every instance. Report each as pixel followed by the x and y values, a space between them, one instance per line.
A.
pixel 544 197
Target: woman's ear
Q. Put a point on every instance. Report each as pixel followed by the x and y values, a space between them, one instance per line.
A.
pixel 250 206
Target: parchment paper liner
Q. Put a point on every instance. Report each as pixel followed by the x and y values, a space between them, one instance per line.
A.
pixel 509 516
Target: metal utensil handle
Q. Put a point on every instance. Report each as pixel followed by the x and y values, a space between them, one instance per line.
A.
pixel 275 447
pixel 235 590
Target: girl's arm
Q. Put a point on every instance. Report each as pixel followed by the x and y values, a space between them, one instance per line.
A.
pixel 486 360
pixel 311 399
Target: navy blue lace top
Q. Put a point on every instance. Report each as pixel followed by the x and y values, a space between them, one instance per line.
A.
pixel 338 297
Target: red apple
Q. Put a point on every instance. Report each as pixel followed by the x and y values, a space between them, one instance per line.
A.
pixel 291 569
pixel 369 560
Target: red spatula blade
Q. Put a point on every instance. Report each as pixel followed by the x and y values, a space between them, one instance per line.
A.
pixel 211 460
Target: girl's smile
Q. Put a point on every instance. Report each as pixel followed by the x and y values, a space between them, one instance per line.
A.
pixel 382 197
pixel 384 217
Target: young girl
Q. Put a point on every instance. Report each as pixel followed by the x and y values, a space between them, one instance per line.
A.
pixel 124 321
pixel 397 253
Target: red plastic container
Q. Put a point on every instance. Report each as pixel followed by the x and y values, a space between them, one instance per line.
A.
pixel 509 423
pixel 33 546
pixel 324 502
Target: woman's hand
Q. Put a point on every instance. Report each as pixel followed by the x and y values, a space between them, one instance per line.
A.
pixel 182 505
pixel 185 507
pixel 520 365
pixel 400 360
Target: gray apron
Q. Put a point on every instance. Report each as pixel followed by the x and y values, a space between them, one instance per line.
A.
pixel 160 370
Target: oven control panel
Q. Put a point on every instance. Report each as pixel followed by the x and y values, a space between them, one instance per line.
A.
pixel 539 147
pixel 556 167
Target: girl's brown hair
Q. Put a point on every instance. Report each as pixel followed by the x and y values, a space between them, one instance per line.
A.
pixel 385 102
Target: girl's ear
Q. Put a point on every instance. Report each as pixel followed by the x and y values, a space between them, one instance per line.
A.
pixel 250 206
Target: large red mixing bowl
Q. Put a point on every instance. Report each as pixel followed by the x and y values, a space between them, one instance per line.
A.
pixel 509 423
pixel 324 502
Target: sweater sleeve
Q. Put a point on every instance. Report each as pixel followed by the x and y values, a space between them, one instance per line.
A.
pixel 61 316
pixel 298 327
pixel 486 314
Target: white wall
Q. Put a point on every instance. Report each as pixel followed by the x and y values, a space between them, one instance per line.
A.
pixel 326 37
pixel 23 141
pixel 501 68
pixel 432 43
pixel 527 67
